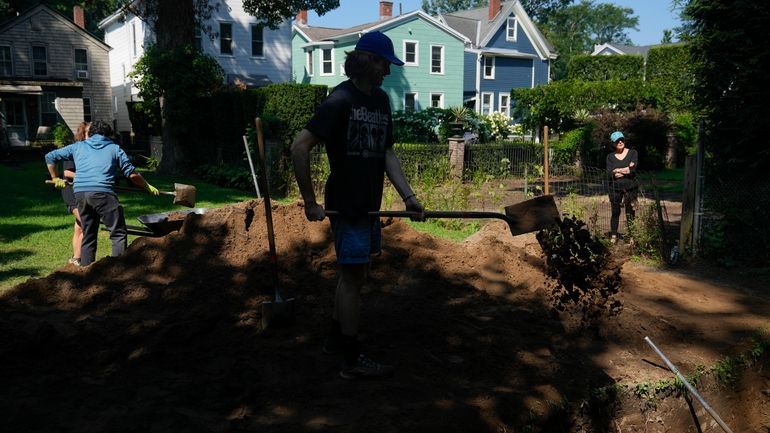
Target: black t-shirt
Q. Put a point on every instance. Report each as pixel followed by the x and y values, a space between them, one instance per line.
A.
pixel 627 181
pixel 66 193
pixel 357 130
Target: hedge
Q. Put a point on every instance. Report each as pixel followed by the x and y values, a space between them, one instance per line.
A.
pixel 669 69
pixel 600 68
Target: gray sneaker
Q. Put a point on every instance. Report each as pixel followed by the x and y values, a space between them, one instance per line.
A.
pixel 365 368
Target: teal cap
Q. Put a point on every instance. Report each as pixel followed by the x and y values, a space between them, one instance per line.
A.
pixel 615 136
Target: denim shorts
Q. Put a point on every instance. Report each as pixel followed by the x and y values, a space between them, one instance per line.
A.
pixel 355 240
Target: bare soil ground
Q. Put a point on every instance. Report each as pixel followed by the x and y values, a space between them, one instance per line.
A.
pixel 167 338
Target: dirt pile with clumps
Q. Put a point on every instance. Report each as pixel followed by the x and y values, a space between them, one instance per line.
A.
pixel 167 337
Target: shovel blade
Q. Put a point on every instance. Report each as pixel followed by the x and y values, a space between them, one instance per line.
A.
pixel 184 195
pixel 278 314
pixel 532 215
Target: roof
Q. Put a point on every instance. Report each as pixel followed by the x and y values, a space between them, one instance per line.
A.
pixel 641 50
pixel 40 6
pixel 476 26
pixel 327 34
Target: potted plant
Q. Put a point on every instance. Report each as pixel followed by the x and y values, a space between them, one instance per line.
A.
pixel 457 118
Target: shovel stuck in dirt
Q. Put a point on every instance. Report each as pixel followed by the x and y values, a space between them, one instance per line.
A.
pixel 528 216
pixel 279 311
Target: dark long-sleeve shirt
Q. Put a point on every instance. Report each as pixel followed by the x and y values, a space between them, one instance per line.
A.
pixel 627 181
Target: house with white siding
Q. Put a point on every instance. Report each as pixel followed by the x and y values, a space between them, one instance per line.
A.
pixel 51 70
pixel 249 52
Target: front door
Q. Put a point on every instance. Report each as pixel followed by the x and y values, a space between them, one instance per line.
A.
pixel 15 120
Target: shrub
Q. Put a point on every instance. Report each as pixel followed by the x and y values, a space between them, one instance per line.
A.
pixel 61 134
pixel 499 125
pixel 601 68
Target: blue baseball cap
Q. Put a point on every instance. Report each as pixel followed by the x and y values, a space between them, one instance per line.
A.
pixel 379 44
pixel 615 136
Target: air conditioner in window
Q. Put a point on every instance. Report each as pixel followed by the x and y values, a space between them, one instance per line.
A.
pixel 82 75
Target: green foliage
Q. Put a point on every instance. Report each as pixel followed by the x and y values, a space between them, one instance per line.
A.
pixel 645 231
pixel 145 117
pixel 226 175
pixel 730 75
pixel 670 70
pixel 180 75
pixel 556 103
pixel 499 125
pixel 600 68
pixel 419 126
pixel 62 134
pixel 571 145
pixel 435 7
pixel 645 131
pixel 294 104
pixel 575 29
pixel 274 12
pixel 685 132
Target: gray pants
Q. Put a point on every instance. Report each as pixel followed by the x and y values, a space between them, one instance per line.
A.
pixel 94 206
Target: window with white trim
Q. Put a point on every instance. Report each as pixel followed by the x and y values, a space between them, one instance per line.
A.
pixel 226 38
pixel 81 60
pixel 504 104
pixel 39 61
pixel 411 53
pixel 410 101
pixel 327 61
pixel 436 59
pixel 257 40
pixel 489 67
pixel 437 100
pixel 309 63
pixel 487 103
pixel 512 29
pixel 6 61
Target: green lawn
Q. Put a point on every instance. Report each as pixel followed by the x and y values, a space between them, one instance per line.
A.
pixel 36 231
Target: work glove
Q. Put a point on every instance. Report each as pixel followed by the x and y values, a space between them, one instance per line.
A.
pixel 152 190
pixel 59 183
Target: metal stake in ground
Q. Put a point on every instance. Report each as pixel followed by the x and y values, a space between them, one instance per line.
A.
pixel 278 312
pixel 689 387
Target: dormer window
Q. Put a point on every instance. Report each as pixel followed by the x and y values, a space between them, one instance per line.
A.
pixel 512 29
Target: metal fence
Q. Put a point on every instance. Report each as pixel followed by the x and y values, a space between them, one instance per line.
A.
pixel 515 171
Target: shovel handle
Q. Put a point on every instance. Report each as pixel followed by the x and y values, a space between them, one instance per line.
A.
pixel 432 214
pixel 130 189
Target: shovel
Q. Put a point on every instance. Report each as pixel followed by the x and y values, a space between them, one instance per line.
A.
pixel 183 194
pixel 528 216
pixel 279 311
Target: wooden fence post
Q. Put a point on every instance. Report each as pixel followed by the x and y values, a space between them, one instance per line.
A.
pixel 546 188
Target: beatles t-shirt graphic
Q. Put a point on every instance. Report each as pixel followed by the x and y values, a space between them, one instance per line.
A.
pixel 367 133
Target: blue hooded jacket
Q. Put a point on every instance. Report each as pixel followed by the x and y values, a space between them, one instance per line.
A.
pixel 98 160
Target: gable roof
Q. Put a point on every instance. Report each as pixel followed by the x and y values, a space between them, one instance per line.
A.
pixel 325 35
pixel 13 22
pixel 622 49
pixel 475 25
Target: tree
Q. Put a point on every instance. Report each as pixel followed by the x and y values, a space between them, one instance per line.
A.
pixel 173 22
pixel 95 10
pixel 577 28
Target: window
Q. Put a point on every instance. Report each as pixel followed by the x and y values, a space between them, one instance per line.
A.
pixel 410 101
pixel 309 64
pixel 327 61
pixel 486 103
pixel 87 109
pixel 504 104
pixel 6 62
pixel 81 60
pixel 410 53
pixel 436 59
pixel 489 67
pixel 133 39
pixel 39 61
pixel 437 100
pixel 198 42
pixel 225 38
pixel 48 116
pixel 257 40
pixel 512 30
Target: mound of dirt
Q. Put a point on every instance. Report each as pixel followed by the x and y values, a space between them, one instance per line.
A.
pixel 167 338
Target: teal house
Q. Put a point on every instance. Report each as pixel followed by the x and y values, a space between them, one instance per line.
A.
pixel 433 55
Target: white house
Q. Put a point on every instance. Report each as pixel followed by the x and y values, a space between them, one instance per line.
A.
pixel 247 51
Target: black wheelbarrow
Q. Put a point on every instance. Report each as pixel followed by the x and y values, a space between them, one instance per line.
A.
pixel 161 224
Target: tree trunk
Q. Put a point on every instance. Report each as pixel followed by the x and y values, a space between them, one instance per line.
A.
pixel 174 26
